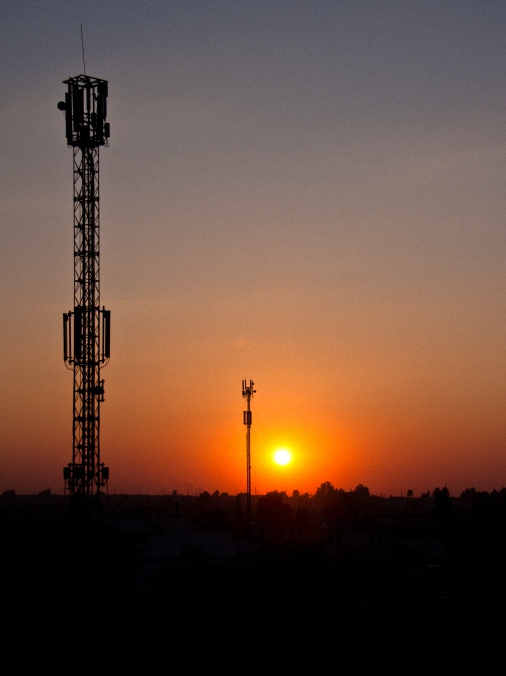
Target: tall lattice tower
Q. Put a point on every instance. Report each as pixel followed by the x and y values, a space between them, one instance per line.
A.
pixel 86 329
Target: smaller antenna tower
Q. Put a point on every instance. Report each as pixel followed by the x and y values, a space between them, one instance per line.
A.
pixel 247 393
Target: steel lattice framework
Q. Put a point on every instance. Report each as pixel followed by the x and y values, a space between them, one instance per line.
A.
pixel 86 329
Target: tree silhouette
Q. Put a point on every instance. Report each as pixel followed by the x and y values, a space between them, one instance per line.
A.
pixel 362 492
pixel 274 516
pixel 443 505
pixel 324 492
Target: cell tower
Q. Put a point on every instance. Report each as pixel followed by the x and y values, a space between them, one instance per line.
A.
pixel 86 329
pixel 247 393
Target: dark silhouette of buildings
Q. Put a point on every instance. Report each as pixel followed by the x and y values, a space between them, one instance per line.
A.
pixel 341 575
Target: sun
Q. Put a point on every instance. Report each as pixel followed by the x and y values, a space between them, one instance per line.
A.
pixel 282 457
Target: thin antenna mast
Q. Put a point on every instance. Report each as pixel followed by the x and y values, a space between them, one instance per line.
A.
pixel 247 393
pixel 82 47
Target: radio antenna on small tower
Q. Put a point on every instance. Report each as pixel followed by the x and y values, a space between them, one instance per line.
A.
pixel 247 393
pixel 82 47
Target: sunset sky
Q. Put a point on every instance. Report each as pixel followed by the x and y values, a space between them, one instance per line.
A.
pixel 306 193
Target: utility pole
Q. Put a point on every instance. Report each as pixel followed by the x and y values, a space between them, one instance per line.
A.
pixel 86 328
pixel 247 393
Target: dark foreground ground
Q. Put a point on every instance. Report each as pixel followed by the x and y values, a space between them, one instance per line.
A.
pixel 75 597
